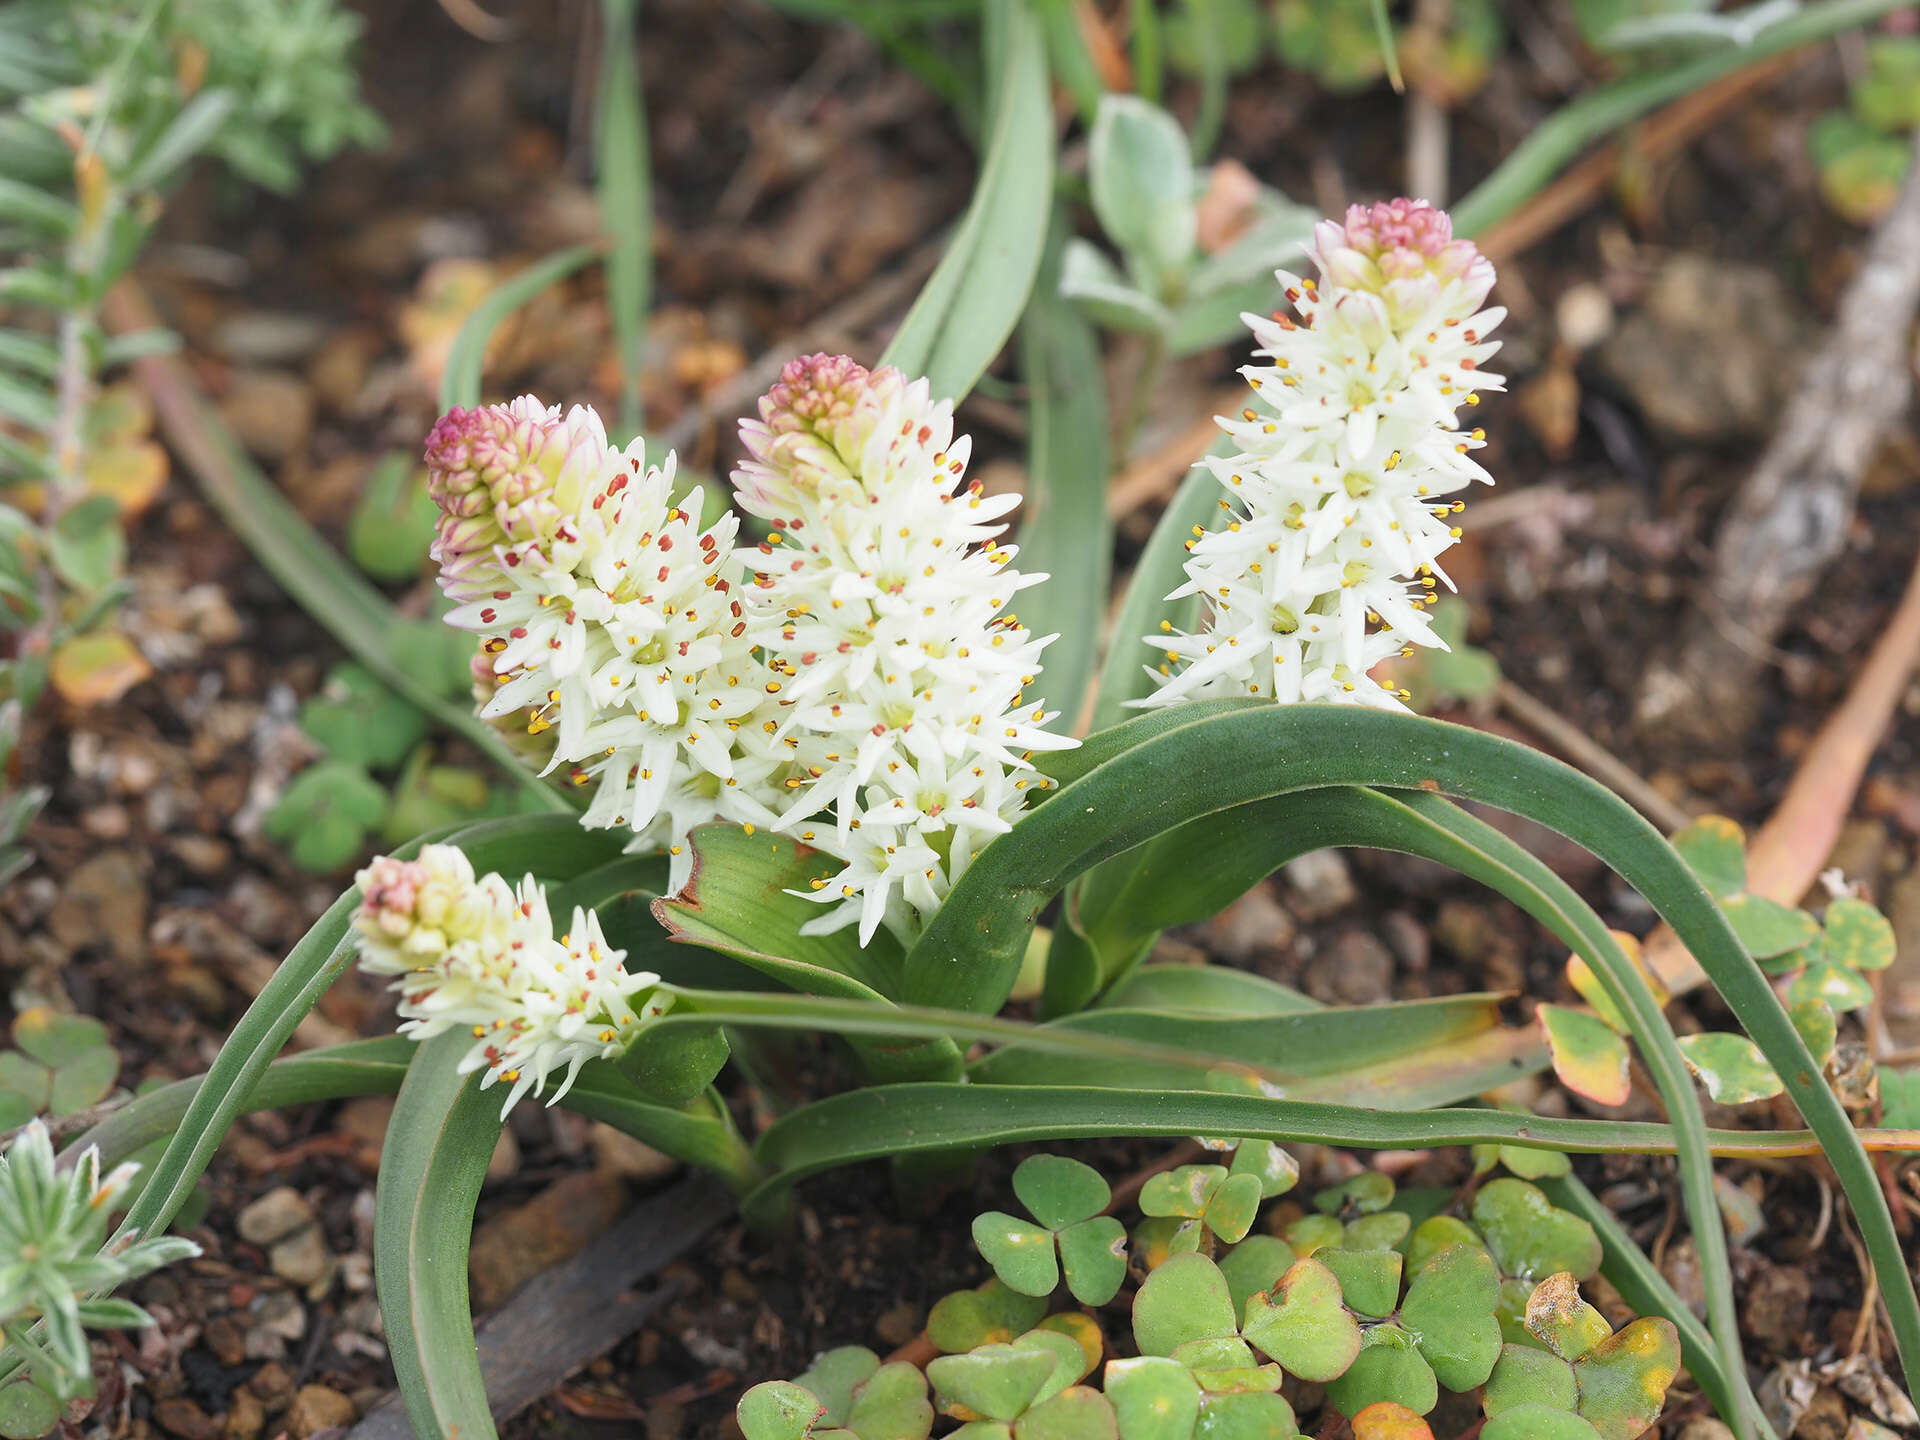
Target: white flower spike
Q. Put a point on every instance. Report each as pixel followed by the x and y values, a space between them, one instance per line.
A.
pixel 882 603
pixel 609 615
pixel 1337 511
pixel 471 953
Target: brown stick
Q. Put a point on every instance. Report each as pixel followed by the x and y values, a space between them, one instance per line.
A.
pixel 1665 131
pixel 1791 517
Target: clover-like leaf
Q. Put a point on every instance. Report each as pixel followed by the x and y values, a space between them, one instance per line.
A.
pixel 1183 1191
pixel 65 1062
pixel 1365 1194
pixel 1383 1231
pixel 992 1314
pixel 1388 1367
pixel 778 1410
pixel 1272 1165
pixel 993 1382
pixel 1537 1422
pixel 1314 1232
pixel 1587 1056
pixel 1855 934
pixel 1245 1415
pixel 1525 1377
pixel 393 523
pixel 1522 1160
pixel 1213 1353
pixel 1185 1299
pixel 1841 986
pixel 1255 1264
pixel 833 1376
pixel 1153 1397
pixel 1435 1234
pixel 357 719
pixel 27 1411
pixel 892 1404
pixel 1715 849
pixel 1623 1380
pixel 1233 1206
pixel 1530 1236
pixel 1731 1067
pixel 1562 1321
pixel 1159 1237
pixel 1766 927
pixel 1070 1362
pixel 1021 1254
pixel 1388 1420
pixel 1076 1413
pixel 1302 1323
pixel 1369 1279
pixel 1093 1255
pixel 1815 1021
pixel 1449 1311
pixel 1083 1330
pixel 1511 1312
pixel 324 815
pixel 1059 1191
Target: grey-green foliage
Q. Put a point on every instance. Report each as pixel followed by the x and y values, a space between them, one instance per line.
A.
pixel 103 106
pixel 56 1279
pixel 1145 194
pixel 1383 1297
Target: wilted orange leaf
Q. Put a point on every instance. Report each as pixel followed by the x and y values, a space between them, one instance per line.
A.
pixel 97 669
pixel 132 472
pixel 1387 1420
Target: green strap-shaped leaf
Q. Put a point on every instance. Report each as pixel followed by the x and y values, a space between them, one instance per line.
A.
pixel 623 185
pixel 460 376
pixel 443 1132
pixel 741 902
pixel 970 303
pixel 1064 531
pixel 1157 574
pixel 699 1135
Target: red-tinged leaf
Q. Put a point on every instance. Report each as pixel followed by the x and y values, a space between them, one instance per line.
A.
pixel 1587 1056
pixel 1385 1420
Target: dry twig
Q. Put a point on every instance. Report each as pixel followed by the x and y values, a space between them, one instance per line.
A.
pixel 1791 517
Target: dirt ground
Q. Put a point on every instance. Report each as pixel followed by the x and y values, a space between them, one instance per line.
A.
pixel 795 169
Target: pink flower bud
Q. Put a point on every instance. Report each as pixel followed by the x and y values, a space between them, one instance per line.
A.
pixel 507 475
pixel 1404 251
pixel 814 423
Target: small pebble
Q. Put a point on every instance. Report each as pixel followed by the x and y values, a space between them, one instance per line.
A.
pixel 246 1416
pixel 274 1216
pixel 303 1259
pixel 318 1408
pixel 1319 885
pixel 179 1416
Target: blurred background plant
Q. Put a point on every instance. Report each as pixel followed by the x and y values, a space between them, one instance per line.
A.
pixel 109 102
